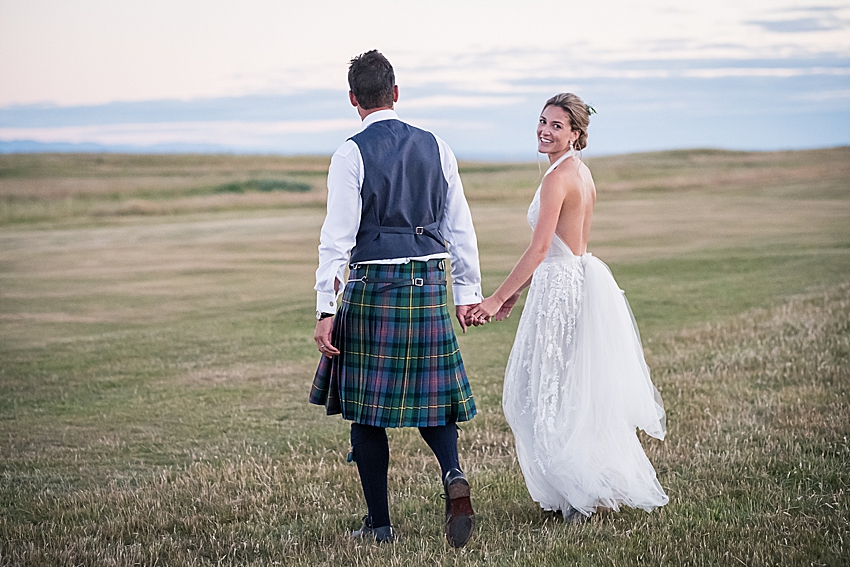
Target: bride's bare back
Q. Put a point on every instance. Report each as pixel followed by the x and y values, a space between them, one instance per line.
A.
pixel 566 197
pixel 577 209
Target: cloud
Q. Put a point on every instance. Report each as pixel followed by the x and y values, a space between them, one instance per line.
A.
pixel 799 25
pixel 458 101
pixel 718 72
pixel 227 133
pixel 825 95
pixel 804 20
pixel 440 125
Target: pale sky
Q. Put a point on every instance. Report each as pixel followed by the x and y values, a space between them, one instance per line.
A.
pixel 451 55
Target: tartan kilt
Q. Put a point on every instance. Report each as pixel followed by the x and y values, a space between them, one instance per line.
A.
pixel 399 363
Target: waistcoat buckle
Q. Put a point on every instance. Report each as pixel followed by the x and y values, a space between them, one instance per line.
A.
pixel 420 230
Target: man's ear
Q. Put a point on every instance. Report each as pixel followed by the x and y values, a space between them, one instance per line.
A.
pixel 395 93
pixel 352 98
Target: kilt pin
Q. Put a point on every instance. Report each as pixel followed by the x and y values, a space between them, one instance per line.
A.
pixel 400 365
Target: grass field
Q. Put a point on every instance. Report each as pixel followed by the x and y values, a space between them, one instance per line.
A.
pixel 156 315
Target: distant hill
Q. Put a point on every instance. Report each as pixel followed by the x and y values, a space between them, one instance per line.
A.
pixel 33 147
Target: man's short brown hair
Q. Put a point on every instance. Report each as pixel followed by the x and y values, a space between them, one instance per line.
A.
pixel 371 78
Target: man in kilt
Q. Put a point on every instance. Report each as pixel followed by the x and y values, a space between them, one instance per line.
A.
pixel 390 358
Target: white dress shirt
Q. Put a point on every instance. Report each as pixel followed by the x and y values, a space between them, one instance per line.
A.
pixel 339 231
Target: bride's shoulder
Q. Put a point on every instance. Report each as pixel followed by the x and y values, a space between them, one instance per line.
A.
pixel 567 175
pixel 571 184
pixel 588 181
pixel 584 171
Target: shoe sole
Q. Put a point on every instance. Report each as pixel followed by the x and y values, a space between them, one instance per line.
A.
pixel 461 520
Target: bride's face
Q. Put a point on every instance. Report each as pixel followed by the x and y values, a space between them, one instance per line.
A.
pixel 553 131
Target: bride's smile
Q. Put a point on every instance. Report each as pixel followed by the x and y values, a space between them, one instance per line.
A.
pixel 554 133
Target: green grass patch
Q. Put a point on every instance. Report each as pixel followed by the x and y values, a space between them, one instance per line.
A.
pixel 262 185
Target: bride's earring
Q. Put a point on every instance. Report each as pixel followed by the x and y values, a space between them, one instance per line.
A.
pixel 572 144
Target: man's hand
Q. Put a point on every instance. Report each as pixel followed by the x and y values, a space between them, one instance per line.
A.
pixel 322 336
pixel 462 314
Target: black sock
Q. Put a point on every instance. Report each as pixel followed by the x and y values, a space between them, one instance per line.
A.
pixel 372 455
pixel 443 442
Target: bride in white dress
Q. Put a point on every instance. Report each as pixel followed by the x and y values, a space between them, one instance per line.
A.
pixel 576 384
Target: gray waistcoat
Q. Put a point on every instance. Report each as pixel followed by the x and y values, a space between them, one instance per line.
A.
pixel 403 194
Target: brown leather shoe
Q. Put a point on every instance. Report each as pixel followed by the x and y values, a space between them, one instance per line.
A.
pixel 460 519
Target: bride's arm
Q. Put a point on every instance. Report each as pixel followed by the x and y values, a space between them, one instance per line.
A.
pixel 506 308
pixel 552 195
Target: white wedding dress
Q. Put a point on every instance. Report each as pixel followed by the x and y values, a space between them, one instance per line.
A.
pixel 577 387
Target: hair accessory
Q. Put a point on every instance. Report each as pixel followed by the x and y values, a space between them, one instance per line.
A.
pixel 590 110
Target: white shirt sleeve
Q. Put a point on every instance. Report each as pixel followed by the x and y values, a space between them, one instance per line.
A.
pixel 459 233
pixel 339 231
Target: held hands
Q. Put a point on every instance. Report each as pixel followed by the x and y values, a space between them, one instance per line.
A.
pixel 484 311
pixel 480 313
pixel 465 319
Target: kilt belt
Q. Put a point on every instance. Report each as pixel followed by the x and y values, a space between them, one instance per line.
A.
pixel 398 282
pixel 399 363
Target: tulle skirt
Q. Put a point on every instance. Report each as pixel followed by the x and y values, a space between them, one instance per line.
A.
pixel 576 388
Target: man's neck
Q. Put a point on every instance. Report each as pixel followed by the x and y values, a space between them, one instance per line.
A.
pixel 363 112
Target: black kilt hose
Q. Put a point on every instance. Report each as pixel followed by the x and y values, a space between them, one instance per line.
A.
pixel 399 363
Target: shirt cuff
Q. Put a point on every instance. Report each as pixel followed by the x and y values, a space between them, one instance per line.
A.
pixel 466 294
pixel 326 302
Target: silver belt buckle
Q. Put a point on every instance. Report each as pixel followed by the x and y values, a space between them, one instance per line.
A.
pixel 418 282
pixel 420 230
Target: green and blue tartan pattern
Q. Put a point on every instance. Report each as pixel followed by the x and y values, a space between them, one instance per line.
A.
pixel 400 365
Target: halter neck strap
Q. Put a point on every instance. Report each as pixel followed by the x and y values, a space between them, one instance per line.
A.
pixel 570 153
